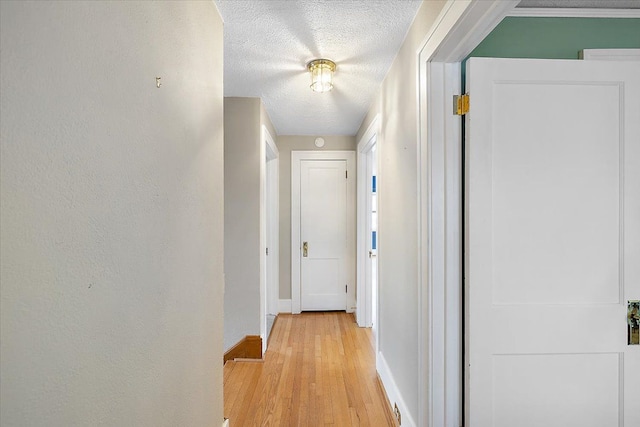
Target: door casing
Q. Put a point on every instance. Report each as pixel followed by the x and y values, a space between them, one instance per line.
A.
pixel 296 158
pixel 459 28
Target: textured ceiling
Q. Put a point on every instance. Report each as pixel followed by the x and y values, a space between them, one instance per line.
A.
pixel 268 43
pixel 583 4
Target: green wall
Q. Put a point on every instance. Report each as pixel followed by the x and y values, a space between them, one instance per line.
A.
pixel 557 38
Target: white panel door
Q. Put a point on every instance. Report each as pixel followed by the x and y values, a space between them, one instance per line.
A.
pixel 552 242
pixel 323 225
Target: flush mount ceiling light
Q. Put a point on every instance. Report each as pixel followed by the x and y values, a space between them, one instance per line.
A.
pixel 321 74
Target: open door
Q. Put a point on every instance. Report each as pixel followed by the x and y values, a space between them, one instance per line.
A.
pixel 371 276
pixel 552 242
pixel 367 229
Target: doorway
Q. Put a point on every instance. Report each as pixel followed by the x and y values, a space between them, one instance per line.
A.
pixel 269 235
pixel 322 231
pixel 460 28
pixel 372 236
pixel 368 235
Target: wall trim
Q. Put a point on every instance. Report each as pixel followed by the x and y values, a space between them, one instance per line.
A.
pixel 284 306
pixel 392 391
pixel 249 347
pixel 574 13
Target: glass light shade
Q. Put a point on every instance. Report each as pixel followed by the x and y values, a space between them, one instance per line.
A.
pixel 321 74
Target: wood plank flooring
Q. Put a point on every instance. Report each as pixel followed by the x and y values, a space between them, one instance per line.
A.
pixel 319 370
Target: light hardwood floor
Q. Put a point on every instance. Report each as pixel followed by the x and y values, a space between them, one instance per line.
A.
pixel 319 370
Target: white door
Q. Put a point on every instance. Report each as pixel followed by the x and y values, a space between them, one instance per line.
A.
pixel 552 242
pixel 372 239
pixel 367 238
pixel 323 225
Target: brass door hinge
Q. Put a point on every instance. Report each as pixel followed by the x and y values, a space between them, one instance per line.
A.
pixel 460 104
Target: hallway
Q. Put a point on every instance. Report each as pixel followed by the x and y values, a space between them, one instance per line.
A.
pixel 319 370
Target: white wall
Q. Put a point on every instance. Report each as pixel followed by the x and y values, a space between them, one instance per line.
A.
pixel 286 144
pixel 396 102
pixel 242 219
pixel 111 214
pixel 243 120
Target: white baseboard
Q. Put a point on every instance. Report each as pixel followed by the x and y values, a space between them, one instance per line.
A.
pixel 393 393
pixel 284 306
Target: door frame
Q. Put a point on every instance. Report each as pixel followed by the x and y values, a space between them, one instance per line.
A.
pixel 459 28
pixel 269 234
pixel 296 158
pixel 364 302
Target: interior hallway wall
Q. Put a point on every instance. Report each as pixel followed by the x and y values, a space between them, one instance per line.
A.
pixel 243 120
pixel 111 210
pixel 286 144
pixel 396 102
